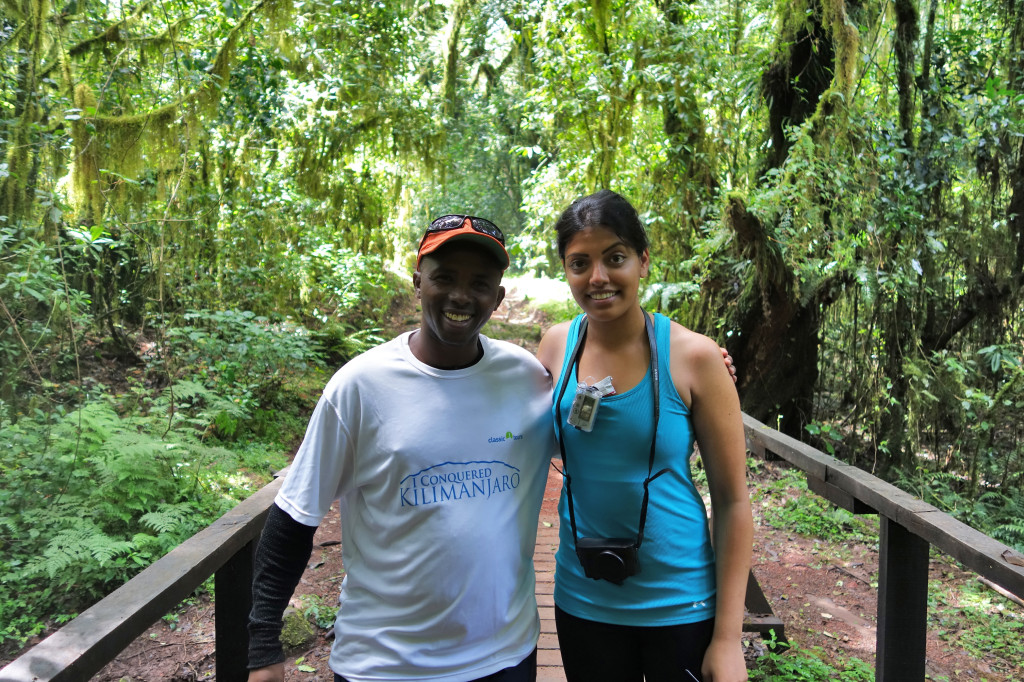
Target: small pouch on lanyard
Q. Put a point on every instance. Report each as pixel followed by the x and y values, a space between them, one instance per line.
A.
pixel 583 412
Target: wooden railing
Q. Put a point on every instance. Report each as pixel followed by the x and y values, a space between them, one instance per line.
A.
pixel 908 527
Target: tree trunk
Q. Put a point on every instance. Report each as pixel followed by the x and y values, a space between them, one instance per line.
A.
pixel 690 171
pixel 451 66
pixel 797 78
pixel 898 332
pixel 777 347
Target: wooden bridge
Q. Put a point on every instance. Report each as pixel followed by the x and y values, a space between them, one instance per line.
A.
pixel 908 528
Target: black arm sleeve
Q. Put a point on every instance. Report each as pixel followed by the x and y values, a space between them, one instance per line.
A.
pixel 281 557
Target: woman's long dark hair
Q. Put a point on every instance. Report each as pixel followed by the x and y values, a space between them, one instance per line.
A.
pixel 605 209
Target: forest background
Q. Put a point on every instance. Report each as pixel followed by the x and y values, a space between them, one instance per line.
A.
pixel 203 206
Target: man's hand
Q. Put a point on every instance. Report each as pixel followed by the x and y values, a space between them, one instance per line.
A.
pixel 728 364
pixel 272 673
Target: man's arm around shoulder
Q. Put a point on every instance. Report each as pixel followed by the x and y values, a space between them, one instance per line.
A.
pixel 281 557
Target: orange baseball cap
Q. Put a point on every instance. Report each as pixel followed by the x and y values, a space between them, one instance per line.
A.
pixel 452 228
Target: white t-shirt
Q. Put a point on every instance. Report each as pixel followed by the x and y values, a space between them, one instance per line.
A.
pixel 440 476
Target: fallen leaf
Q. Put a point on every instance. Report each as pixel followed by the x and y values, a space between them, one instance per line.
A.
pixel 1013 557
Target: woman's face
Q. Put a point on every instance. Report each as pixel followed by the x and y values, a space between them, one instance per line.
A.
pixel 603 272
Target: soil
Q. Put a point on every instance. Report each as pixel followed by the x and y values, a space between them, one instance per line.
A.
pixel 826 594
pixel 823 592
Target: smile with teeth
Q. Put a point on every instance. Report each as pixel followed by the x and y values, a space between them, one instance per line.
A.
pixel 602 295
pixel 458 317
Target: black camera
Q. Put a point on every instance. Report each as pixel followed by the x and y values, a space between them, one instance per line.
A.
pixel 611 559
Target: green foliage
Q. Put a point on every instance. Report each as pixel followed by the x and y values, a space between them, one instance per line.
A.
pixel 996 512
pixel 42 319
pixel 976 619
pixel 238 360
pixel 341 342
pixel 794 663
pixel 282 158
pixel 827 434
pixel 559 311
pixel 93 496
pixel 669 295
pixel 808 514
pixel 344 286
pixel 977 398
pixel 320 611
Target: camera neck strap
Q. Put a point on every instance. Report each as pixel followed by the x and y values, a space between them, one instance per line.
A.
pixel 566 374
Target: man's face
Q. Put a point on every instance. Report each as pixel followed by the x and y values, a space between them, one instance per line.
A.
pixel 458 286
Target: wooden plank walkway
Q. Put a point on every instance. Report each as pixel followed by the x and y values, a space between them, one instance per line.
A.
pixel 549 660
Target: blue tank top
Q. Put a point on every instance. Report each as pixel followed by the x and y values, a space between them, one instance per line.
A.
pixel 676 582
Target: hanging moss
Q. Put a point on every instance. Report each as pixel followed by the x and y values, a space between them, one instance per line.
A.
pixel 15 190
pixel 86 196
pixel 846 40
pixel 819 45
pixel 154 141
pixel 800 73
pixel 459 13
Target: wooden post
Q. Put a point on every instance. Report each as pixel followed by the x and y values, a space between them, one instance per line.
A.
pixel 902 604
pixel 233 594
pixel 759 616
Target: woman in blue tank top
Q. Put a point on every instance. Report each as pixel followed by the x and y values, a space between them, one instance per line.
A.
pixel 643 588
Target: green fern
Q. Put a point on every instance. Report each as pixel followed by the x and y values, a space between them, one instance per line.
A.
pixel 1011 533
pixel 75 547
pixel 171 518
pixel 96 496
pixel 188 391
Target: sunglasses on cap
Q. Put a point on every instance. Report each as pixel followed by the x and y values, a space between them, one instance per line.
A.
pixel 454 222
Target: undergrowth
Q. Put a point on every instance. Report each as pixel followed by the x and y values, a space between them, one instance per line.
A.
pixel 966 614
pixel 788 504
pixel 94 492
pixel 972 617
pixel 93 496
pixel 998 512
pixel 793 663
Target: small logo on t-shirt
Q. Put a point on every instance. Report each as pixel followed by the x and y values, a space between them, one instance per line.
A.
pixel 509 436
pixel 457 482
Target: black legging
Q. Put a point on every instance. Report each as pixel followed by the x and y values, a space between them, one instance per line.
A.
pixel 625 653
pixel 525 671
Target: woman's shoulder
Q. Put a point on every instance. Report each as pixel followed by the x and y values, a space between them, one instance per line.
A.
pixel 552 346
pixel 696 362
pixel 692 345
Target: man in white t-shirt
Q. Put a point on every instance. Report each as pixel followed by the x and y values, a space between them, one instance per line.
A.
pixel 436 445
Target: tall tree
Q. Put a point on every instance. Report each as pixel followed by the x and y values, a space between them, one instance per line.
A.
pixel 777 318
